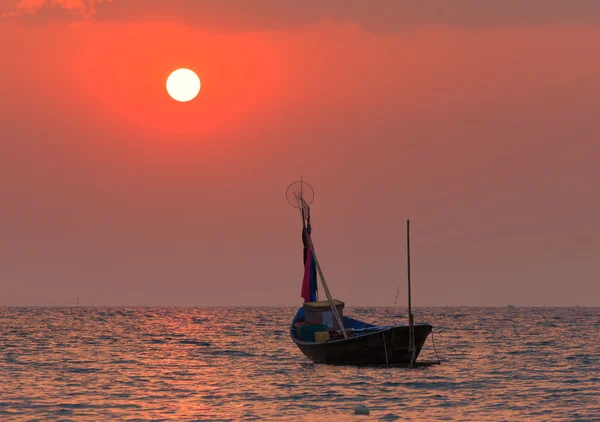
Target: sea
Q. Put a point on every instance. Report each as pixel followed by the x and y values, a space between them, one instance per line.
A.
pixel 232 364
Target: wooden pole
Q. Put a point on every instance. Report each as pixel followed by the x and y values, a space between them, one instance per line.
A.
pixel 411 327
pixel 324 283
pixel 301 205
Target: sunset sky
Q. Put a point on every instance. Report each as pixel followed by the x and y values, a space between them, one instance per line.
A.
pixel 478 120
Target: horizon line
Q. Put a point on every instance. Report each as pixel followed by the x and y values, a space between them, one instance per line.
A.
pixel 293 306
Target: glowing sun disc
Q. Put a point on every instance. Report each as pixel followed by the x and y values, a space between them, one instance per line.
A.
pixel 183 85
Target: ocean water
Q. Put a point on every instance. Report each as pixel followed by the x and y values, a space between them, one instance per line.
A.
pixel 92 364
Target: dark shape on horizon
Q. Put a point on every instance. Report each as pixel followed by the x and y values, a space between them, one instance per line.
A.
pixel 325 335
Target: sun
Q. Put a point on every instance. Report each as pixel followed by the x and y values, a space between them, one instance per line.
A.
pixel 183 85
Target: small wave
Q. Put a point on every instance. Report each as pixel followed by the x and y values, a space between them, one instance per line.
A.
pixel 196 342
pixel 82 370
pixel 123 362
pixel 237 353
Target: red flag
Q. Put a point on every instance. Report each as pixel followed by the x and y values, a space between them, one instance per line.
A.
pixel 305 293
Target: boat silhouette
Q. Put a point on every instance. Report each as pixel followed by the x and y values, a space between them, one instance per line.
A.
pixel 325 335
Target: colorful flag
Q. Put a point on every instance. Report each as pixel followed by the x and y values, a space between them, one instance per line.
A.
pixel 309 281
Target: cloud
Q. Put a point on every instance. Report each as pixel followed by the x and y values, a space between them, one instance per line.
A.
pixel 46 11
pixel 383 16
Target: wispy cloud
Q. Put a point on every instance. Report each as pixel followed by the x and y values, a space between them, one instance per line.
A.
pixel 383 16
pixel 39 12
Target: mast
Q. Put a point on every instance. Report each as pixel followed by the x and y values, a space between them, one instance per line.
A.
pixel 411 327
pixel 301 204
pixel 319 271
pixel 309 231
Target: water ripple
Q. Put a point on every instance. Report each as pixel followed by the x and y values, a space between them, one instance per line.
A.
pixel 90 364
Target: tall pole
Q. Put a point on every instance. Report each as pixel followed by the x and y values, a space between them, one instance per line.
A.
pixel 340 321
pixel 411 328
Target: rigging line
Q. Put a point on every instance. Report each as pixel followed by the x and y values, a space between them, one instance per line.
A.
pixel 397 292
pixel 434 349
pixel 385 348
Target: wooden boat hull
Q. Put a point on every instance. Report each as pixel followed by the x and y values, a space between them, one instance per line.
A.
pixel 388 346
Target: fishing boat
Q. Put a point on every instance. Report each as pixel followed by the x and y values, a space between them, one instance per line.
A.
pixel 325 335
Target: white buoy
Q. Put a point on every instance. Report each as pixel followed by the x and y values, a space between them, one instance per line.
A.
pixel 361 409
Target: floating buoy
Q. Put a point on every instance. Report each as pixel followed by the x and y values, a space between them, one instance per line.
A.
pixel 361 409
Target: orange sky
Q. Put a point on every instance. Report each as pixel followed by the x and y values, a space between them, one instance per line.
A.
pixel 481 127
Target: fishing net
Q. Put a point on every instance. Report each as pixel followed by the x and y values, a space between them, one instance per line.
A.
pixel 300 194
